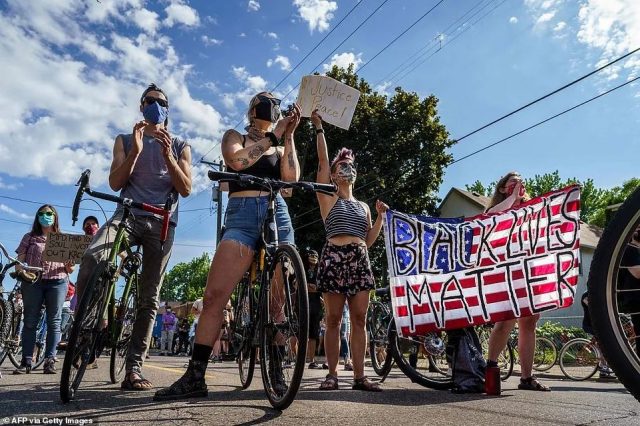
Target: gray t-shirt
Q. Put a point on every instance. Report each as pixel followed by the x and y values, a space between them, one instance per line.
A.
pixel 150 181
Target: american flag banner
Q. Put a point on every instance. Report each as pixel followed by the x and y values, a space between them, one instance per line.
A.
pixel 448 273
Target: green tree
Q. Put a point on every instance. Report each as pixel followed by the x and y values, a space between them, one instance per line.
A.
pixel 479 188
pixel 186 280
pixel 613 196
pixel 400 147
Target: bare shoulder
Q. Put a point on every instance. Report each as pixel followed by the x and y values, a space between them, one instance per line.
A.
pixel 365 206
pixel 231 136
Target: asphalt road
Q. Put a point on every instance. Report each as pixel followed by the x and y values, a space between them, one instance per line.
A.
pixel 34 399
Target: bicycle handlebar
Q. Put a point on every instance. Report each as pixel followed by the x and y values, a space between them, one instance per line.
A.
pixel 83 187
pixel 17 262
pixel 270 184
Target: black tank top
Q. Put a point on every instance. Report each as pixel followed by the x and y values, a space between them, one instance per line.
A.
pixel 267 166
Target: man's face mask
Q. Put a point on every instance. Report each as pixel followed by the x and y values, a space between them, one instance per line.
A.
pixel 155 113
pixel 91 228
pixel 347 172
pixel 268 109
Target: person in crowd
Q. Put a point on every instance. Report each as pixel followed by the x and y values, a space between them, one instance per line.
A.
pixel 257 153
pixel 323 329
pixel 227 320
pixel 183 336
pixel 150 166
pixel 196 310
pixel 50 289
pixel 510 192
pixel 345 334
pixel 604 370
pixel 344 271
pixel 629 281
pixel 315 306
pixel 169 322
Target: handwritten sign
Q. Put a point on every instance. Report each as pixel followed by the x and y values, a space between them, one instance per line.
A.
pixel 336 102
pixel 454 273
pixel 66 247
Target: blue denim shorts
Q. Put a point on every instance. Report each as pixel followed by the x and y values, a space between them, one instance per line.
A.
pixel 244 217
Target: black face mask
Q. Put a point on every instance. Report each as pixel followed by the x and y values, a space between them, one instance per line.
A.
pixel 267 110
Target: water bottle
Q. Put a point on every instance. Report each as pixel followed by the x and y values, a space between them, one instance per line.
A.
pixel 492 381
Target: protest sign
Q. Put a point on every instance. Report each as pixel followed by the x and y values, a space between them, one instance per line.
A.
pixel 336 102
pixel 454 273
pixel 65 247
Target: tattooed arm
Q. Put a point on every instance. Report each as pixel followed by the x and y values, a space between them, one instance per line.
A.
pixel 289 166
pixel 237 157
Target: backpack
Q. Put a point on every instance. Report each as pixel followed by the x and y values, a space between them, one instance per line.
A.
pixel 468 363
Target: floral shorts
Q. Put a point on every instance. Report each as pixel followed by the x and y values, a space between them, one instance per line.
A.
pixel 345 269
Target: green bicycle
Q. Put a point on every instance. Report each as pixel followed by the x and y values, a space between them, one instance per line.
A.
pixel 89 336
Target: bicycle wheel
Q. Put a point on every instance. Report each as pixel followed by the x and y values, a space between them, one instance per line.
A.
pixel 284 334
pixel 81 346
pixel 579 359
pixel 240 338
pixel 124 319
pixel 506 359
pixel 545 355
pixel 6 319
pixel 418 365
pixel 377 325
pixel 610 298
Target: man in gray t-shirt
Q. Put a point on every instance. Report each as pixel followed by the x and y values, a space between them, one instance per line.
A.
pixel 148 166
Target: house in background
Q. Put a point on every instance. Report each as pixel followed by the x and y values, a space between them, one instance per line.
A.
pixel 459 202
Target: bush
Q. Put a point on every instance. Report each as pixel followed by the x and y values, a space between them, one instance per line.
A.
pixel 560 334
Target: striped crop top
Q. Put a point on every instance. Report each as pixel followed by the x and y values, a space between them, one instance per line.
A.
pixel 347 218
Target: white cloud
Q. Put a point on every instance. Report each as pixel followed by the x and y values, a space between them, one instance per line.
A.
pixel 9 186
pixel 317 13
pixel 283 61
pixel 272 35
pixel 253 6
pixel 545 17
pixel 181 13
pixel 560 26
pixel 294 47
pixel 250 85
pixel 145 19
pixel 513 20
pixel 48 90
pixel 242 35
pixel 6 209
pixel 210 41
pixel 343 60
pixel 383 88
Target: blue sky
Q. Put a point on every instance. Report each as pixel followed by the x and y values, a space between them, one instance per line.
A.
pixel 73 71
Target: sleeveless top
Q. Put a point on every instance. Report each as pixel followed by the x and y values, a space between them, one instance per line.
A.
pixel 347 218
pixel 267 166
pixel 150 181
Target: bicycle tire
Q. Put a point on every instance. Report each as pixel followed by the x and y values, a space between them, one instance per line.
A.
pixel 603 297
pixel 82 340
pixel 241 333
pixel 37 358
pixel 579 359
pixel 545 355
pixel 379 341
pixel 124 319
pixel 506 359
pixel 6 320
pixel 296 307
pixel 399 346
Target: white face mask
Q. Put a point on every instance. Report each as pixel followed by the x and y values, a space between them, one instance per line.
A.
pixel 346 171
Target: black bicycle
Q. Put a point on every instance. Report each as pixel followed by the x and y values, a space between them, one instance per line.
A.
pixel 88 335
pixel 11 313
pixel 378 318
pixel 271 302
pixel 614 293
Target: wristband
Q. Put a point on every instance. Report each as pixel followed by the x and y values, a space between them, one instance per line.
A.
pixel 273 138
pixel 318 131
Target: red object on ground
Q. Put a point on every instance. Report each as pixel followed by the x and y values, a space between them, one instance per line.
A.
pixel 492 385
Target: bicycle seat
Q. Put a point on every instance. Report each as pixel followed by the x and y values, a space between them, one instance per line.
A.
pixel 383 292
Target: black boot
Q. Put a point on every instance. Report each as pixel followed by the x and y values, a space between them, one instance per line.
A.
pixel 276 375
pixel 190 385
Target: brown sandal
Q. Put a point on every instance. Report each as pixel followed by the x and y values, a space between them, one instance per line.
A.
pixel 364 384
pixel 533 384
pixel 139 384
pixel 330 383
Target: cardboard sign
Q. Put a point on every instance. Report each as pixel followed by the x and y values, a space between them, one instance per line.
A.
pixel 336 102
pixel 449 273
pixel 66 247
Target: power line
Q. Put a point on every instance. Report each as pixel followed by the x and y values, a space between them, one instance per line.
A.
pixel 539 123
pixel 14 221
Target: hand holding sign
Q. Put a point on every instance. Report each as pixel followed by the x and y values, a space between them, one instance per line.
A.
pixel 335 101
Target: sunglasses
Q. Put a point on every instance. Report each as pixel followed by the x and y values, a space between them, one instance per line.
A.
pixel 47 214
pixel 275 101
pixel 148 100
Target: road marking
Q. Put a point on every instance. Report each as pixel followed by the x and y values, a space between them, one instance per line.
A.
pixel 175 370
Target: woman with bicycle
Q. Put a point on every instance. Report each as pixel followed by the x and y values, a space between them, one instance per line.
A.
pixel 256 153
pixel 50 289
pixel 510 192
pixel 344 270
